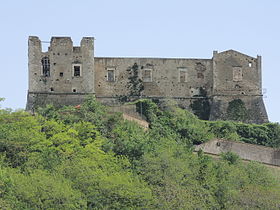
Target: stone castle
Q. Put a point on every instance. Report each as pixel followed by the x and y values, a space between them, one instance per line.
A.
pixel 227 85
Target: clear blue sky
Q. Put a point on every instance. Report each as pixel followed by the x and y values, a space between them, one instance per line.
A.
pixel 157 28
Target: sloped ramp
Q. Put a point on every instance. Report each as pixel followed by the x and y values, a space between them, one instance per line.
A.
pixel 142 123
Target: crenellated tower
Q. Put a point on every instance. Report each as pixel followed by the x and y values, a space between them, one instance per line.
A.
pixel 237 83
pixel 63 75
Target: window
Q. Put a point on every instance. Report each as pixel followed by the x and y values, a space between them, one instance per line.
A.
pixel 147 75
pixel 200 75
pixel 77 70
pixel 182 74
pixel 237 74
pixel 74 90
pixel 250 64
pixel 61 74
pixel 45 66
pixel 111 74
pixel 52 89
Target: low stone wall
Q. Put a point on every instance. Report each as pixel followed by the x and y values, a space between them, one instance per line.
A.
pixel 266 155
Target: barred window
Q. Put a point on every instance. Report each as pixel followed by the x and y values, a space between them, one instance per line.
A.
pixel 45 66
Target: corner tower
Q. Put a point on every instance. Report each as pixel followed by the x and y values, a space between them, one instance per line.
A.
pixel 63 75
pixel 237 88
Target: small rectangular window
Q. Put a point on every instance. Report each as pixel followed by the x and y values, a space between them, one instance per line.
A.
pixel 237 74
pixel 200 75
pixel 77 70
pixel 147 75
pixel 111 77
pixel 182 74
pixel 61 74
pixel 250 64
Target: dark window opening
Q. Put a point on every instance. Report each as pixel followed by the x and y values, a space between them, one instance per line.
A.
pixel 200 75
pixel 74 90
pixel 52 89
pixel 111 76
pixel 77 71
pixel 46 66
pixel 61 74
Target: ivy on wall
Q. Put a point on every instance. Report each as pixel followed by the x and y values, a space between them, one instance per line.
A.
pixel 237 110
pixel 201 106
pixel 134 85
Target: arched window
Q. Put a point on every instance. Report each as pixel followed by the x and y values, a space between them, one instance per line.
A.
pixel 46 66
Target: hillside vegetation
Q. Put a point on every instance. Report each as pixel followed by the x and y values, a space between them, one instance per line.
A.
pixel 88 158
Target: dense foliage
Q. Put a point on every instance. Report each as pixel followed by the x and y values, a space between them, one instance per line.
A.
pixel 85 158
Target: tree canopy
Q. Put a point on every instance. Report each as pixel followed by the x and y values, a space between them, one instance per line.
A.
pixel 88 158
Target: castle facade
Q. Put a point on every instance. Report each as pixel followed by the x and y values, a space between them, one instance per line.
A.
pixel 228 85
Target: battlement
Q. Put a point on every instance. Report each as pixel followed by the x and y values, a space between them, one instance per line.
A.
pixel 61 43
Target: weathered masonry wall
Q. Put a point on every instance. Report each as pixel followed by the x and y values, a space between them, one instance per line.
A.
pixel 256 112
pixel 63 74
pixel 66 74
pixel 236 74
pixel 169 78
pixel 245 151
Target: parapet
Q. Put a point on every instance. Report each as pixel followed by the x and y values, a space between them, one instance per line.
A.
pixel 34 41
pixel 63 42
pixel 87 42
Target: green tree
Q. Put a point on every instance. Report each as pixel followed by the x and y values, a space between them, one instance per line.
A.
pixel 201 105
pixel 230 157
pixel 224 129
pixel 129 139
pixel 106 183
pixel 41 190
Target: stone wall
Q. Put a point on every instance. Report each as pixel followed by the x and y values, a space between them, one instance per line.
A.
pixel 236 74
pixel 165 78
pixel 255 108
pixel 213 82
pixel 36 100
pixel 266 155
pixel 59 85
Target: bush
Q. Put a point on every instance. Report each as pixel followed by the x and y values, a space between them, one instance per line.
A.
pixel 230 157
